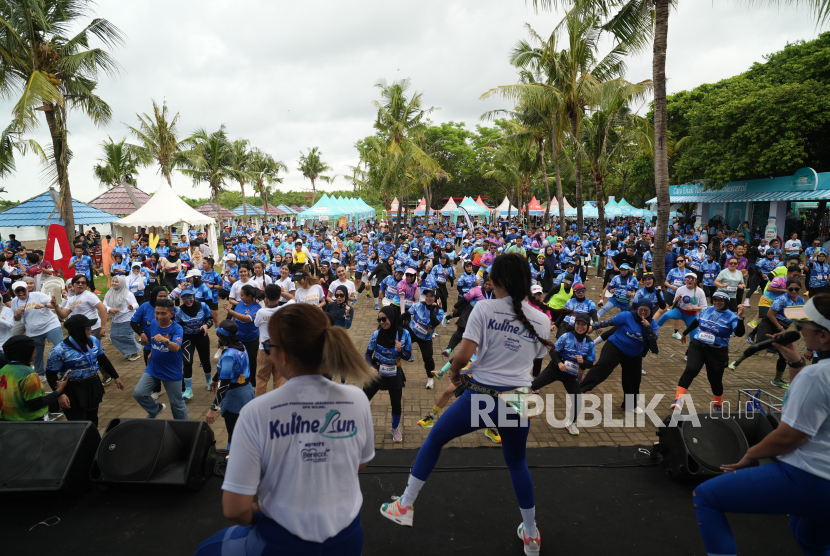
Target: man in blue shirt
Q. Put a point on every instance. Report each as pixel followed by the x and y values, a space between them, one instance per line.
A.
pixel 164 365
pixel 81 263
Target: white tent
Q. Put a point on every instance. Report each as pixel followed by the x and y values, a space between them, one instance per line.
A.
pixel 165 209
pixel 503 208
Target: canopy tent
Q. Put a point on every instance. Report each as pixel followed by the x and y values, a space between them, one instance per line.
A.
pixel 369 210
pixel 554 205
pixel 611 204
pixel 473 209
pixel 588 211
pixel 320 212
pixel 447 209
pixel 481 203
pixel 393 208
pixel 165 209
pixel 421 209
pixel 535 208
pixel 504 207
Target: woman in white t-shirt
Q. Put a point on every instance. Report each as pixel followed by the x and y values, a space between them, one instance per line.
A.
pixel 688 300
pixel 729 281
pixel 286 285
pixel 506 334
pixel 308 290
pixel 33 310
pixel 244 279
pixel 798 483
pixel 260 277
pixel 299 448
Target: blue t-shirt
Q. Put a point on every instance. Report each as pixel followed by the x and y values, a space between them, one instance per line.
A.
pixel 389 356
pixel 419 325
pixel 234 365
pixel 192 325
pixel 389 287
pixel 83 265
pixel 609 254
pixel 578 306
pixel 710 272
pixel 568 348
pixel 677 277
pixel 212 278
pixel 629 334
pixel 819 275
pixel 716 327
pixel 146 316
pixel 782 302
pixel 622 285
pixel 247 330
pixel 68 359
pixel 233 272
pixel 164 364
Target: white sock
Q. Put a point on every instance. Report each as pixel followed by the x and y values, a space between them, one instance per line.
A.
pixel 529 519
pixel 413 487
pixel 599 340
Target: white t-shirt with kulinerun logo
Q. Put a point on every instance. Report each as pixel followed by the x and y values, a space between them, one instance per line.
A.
pixel 299 445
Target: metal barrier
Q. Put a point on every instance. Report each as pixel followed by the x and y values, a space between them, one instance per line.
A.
pixel 772 402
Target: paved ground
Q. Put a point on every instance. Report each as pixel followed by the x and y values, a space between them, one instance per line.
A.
pixel 663 371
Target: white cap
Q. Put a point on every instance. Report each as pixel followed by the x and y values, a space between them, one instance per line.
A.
pixel 536 289
pixel 229 257
pixel 19 284
pixel 193 272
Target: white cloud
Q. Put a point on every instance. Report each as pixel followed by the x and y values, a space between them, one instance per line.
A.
pixel 291 76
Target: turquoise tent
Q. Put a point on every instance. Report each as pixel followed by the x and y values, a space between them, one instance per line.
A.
pixel 474 209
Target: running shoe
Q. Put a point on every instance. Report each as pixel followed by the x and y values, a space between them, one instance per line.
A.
pixel 376 307
pixel 749 340
pixel 430 384
pixel 397 434
pixel 155 395
pixel 571 428
pixel 532 544
pixel 717 408
pixel 677 336
pixel 395 512
pixel 187 394
pixel 493 434
pixel 446 353
pixel 133 357
pixel 411 359
pixel 427 422
pixel 746 303
pixel 780 384
pixel 753 323
pixel 444 321
pixel 368 295
pixel 163 407
pixel 56 416
pixel 434 335
pixel 732 366
pixel 643 372
pixel 676 403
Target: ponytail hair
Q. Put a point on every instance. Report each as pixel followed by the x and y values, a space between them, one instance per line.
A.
pixel 305 334
pixel 512 273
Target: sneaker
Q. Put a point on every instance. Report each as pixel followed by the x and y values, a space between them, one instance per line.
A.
pixel 445 353
pixel 732 365
pixel 376 307
pixel 676 403
pixel 532 544
pixel 133 357
pixel 434 335
pixel 56 416
pixel 643 372
pixel 163 407
pixel 571 428
pixel 107 381
pixel 395 512
pixel 411 359
pixel 397 434
pixel 677 336
pixel 430 384
pixel 207 386
pixel 368 295
pixel 427 422
pixel 187 394
pixel 780 384
pixel 746 303
pixel 718 408
pixel 155 395
pixel 753 323
pixel 493 434
pixel 444 321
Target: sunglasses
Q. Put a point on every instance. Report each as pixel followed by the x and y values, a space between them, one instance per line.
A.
pixel 382 319
pixel 339 295
pixel 20 290
pixel 793 289
pixel 81 283
pixel 187 297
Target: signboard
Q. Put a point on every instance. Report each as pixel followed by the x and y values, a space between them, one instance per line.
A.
pixel 805 179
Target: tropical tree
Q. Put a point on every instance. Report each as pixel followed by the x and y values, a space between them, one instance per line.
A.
pixel 312 167
pixel 10 143
pixel 53 73
pixel 241 158
pixel 208 158
pixel 158 138
pixel 264 171
pixel 117 164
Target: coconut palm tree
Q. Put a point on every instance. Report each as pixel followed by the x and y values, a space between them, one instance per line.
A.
pixel 312 167
pixel 264 171
pixel 241 158
pixel 53 73
pixel 117 165
pixel 10 143
pixel 158 138
pixel 208 158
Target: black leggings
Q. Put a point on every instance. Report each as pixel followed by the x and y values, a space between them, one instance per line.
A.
pixel 426 353
pixel 709 291
pixel 230 422
pixel 393 385
pixel 443 295
pixel 714 358
pixel 191 344
pixel 537 367
pixel 551 374
pixel 252 347
pixel 609 273
pixel 456 338
pixel 609 358
pixel 765 327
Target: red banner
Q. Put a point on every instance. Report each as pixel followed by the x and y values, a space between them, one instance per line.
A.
pixel 58 252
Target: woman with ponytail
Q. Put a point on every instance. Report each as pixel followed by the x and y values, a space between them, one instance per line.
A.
pixel 506 334
pixel 299 447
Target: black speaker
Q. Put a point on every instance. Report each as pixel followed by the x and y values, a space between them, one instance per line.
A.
pixel 155 452
pixel 691 451
pixel 47 457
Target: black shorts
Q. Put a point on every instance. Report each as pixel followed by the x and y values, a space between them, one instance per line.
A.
pixel 224 294
pixel 213 305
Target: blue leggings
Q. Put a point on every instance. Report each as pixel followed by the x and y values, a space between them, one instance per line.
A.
pixel 676 314
pixel 612 302
pixel 776 488
pixel 456 422
pixel 267 537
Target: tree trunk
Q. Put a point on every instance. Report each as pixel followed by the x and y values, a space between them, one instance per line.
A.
pixel 264 200
pixel 59 147
pixel 578 172
pixel 545 179
pixel 313 192
pixel 560 198
pixel 398 219
pixel 167 175
pixel 218 212
pixel 661 156
pixel 599 184
pixel 244 203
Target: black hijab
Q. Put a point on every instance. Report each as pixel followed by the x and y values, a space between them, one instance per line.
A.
pixel 550 260
pixel 387 338
pixel 154 295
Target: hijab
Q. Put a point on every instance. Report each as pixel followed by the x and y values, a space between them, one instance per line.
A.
pixel 78 333
pixel 550 261
pixel 154 295
pixel 387 338
pixel 116 295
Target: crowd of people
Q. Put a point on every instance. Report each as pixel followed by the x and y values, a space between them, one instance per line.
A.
pixel 279 298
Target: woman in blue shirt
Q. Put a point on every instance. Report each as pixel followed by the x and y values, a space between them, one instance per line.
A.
pixel 819 274
pixel 711 331
pixel 244 314
pixel 775 322
pixel 425 317
pixel 119 267
pixel 195 318
pixel 610 253
pixel 389 344
pixel 231 383
pixel 710 270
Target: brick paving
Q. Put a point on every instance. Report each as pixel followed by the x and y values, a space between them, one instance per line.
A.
pixel 663 371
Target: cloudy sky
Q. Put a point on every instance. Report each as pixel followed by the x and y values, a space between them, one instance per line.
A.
pixel 289 76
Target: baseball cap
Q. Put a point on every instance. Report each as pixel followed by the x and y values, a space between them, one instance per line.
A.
pixel 568 279
pixel 19 284
pixel 536 288
pixel 399 269
pixel 721 295
pixel 193 272
pixel 411 271
pixel 583 317
pixel 229 257
pixel 188 291
pixel 579 287
pixel 299 275
pixel 625 266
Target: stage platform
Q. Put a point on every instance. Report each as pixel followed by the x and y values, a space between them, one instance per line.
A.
pixel 584 507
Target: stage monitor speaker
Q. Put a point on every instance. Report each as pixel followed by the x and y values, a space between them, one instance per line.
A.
pixel 155 452
pixel 47 456
pixel 689 451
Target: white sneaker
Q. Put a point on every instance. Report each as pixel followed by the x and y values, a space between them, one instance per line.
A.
pixel 643 372
pixel 638 410
pixel 430 384
pixel 746 303
pixel 444 321
pixel 532 545
pixel 397 434
pixel 677 336
pixel 155 395
pixel 571 428
pixel 163 407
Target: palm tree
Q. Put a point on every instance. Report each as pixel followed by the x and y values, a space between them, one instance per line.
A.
pixel 117 165
pixel 208 158
pixel 264 171
pixel 9 143
pixel 241 159
pixel 312 167
pixel 55 73
pixel 159 140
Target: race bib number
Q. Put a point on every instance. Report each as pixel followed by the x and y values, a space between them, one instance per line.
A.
pixel 419 328
pixel 388 370
pixel 570 319
pixel 677 282
pixel 572 367
pixel 731 289
pixel 441 279
pixel 373 281
pixel 706 337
